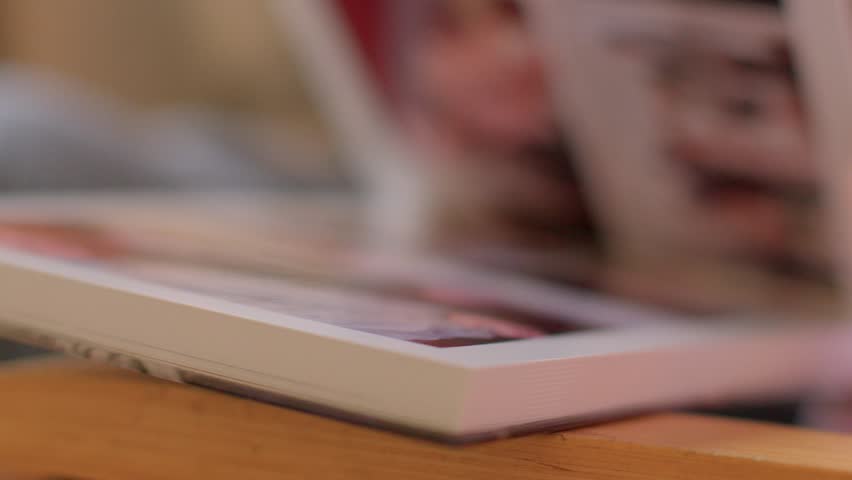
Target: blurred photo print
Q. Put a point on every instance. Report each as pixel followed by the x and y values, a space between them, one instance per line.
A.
pixel 701 153
pixel 462 86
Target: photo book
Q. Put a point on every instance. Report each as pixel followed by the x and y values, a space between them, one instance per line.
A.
pixel 567 211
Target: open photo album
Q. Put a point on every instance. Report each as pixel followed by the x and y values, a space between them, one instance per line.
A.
pixel 568 210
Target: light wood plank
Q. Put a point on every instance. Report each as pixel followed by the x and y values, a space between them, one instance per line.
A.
pixel 92 422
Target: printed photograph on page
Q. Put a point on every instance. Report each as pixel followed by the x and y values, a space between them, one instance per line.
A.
pixel 464 82
pixel 703 168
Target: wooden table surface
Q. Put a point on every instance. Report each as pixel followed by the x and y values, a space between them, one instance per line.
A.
pixel 66 419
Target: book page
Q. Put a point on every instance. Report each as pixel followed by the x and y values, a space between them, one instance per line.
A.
pixel 699 152
pixel 461 86
pixel 312 277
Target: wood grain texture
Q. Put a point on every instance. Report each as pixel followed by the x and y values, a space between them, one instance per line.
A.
pixel 76 420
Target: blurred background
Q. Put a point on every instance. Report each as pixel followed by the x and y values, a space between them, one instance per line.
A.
pixel 125 88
